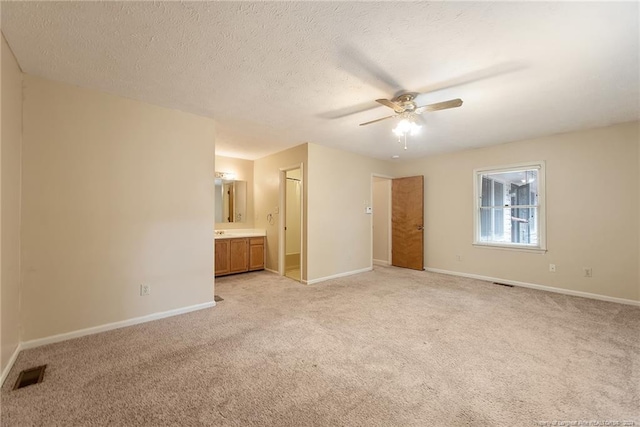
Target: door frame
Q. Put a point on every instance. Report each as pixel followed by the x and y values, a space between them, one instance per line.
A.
pixel 282 208
pixel 390 178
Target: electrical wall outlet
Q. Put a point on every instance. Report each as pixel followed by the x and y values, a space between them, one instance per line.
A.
pixel 145 290
pixel 552 268
pixel 588 272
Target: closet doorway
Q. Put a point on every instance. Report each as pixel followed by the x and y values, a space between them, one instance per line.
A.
pixel 397 226
pixel 381 219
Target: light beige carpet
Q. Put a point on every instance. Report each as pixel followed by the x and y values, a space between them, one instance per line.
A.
pixel 391 347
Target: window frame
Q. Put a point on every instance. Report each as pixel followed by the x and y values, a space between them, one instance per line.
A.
pixel 542 223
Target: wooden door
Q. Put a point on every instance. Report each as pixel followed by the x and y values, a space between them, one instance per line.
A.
pixel 407 216
pixel 239 249
pixel 222 258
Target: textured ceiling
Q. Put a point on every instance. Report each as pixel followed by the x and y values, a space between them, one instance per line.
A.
pixel 277 74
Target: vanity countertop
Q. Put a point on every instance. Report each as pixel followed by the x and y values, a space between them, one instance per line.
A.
pixel 239 233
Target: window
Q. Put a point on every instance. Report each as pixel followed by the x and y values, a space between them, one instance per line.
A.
pixel 509 207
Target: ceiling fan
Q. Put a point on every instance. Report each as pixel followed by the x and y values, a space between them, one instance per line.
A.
pixel 405 106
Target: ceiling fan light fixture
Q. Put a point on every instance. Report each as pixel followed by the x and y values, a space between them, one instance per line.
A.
pixel 406 127
pixel 405 107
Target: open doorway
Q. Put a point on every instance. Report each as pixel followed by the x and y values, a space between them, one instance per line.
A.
pixel 397 236
pixel 293 224
pixel 381 220
pixel 407 222
pixel 291 250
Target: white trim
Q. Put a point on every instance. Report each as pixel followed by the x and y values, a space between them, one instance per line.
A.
pixel 115 325
pixel 538 287
pixel 272 271
pixel 381 262
pixel 542 216
pixel 12 360
pixel 513 167
pixel 335 276
pixel 390 224
pixel 379 175
pixel 97 329
pixel 282 191
pixel 514 247
pixel 302 222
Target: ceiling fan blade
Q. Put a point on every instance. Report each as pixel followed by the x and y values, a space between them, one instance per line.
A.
pixel 355 62
pixel 377 120
pixel 474 76
pixel 348 111
pixel 397 108
pixel 453 103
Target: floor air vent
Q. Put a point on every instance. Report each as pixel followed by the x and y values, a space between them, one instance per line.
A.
pixel 503 284
pixel 30 377
pixel 217 298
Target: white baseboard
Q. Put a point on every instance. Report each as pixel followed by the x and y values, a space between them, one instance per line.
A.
pixel 115 325
pixel 271 271
pixel 381 262
pixel 12 360
pixel 335 276
pixel 538 287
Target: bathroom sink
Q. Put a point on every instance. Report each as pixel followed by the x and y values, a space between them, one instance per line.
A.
pixel 229 234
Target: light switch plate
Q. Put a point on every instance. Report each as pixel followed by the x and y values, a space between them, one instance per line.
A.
pixel 368 210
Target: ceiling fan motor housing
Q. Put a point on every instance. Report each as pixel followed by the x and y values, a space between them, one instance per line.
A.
pixel 404 105
pixel 406 101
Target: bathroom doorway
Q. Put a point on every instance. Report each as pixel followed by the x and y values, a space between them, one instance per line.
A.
pixel 291 203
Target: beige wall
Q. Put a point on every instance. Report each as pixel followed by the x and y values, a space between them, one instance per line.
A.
pixel 267 198
pixel 339 236
pixel 11 134
pixel 592 183
pixel 116 193
pixel 244 172
pixel 381 190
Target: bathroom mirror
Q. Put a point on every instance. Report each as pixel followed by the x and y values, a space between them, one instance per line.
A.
pixel 230 200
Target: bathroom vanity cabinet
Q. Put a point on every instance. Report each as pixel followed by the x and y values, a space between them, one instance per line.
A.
pixel 238 255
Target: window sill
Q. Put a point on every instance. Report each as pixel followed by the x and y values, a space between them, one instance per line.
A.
pixel 535 250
